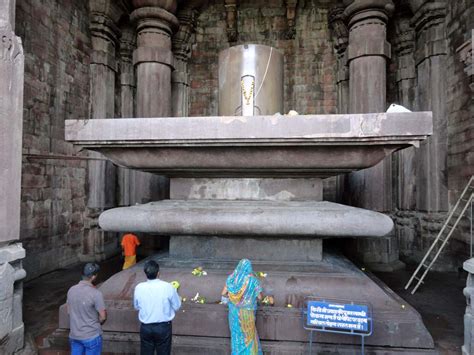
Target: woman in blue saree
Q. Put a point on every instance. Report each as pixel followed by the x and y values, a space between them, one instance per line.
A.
pixel 243 289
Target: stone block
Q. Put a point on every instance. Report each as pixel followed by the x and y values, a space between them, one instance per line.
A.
pixel 266 249
pixel 247 189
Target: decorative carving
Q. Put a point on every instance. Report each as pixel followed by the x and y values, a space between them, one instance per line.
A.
pixel 428 15
pixel 182 40
pixel 10 45
pixel 338 29
pixel 231 19
pixel 291 18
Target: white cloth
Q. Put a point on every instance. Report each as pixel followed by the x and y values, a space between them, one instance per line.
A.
pixel 156 301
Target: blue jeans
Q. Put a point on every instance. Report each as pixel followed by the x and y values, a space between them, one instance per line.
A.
pixel 87 346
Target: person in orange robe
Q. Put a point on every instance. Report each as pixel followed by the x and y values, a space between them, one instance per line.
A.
pixel 129 250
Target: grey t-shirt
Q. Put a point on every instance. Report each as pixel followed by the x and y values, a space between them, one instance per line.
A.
pixel 84 302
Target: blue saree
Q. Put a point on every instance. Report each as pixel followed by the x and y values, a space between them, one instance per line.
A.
pixel 243 288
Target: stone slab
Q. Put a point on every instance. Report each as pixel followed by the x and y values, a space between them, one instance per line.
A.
pixel 258 146
pixel 247 218
pixel 129 343
pixel 276 249
pixel 396 324
pixel 247 189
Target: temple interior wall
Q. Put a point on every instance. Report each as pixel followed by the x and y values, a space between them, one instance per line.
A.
pixel 309 74
pixel 414 228
pixel 56 42
pixel 57 46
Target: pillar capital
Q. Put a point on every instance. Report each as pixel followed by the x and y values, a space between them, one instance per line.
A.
pixel 427 14
pixel 167 5
pixel 105 35
pixel 358 10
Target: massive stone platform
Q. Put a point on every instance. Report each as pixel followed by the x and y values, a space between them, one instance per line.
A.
pixel 258 146
pixel 397 326
pixel 248 218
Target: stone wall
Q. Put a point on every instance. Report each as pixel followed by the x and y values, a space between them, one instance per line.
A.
pixel 56 44
pixel 310 64
pixel 416 228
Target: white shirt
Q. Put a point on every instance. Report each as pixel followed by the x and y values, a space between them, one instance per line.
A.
pixel 156 301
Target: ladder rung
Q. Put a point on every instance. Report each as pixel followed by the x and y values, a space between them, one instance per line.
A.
pixel 416 278
pixel 441 240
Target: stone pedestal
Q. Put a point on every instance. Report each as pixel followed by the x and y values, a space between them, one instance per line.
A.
pixel 11 124
pixel 468 347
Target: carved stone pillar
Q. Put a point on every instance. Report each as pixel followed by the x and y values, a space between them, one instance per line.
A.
pixel 404 160
pixel 430 61
pixel 11 124
pixel 468 347
pixel 153 58
pixel 134 186
pixel 368 53
pixel 98 245
pixel 182 42
pixel 340 36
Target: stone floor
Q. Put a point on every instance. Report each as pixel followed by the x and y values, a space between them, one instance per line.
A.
pixel 440 302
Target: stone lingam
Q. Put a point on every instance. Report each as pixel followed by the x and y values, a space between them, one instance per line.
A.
pixel 248 183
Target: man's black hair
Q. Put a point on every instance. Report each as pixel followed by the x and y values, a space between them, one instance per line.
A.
pixel 90 269
pixel 151 269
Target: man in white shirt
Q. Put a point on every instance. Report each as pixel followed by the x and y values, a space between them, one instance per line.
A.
pixel 157 302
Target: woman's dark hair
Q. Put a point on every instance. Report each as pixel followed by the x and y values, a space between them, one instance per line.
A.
pixel 151 269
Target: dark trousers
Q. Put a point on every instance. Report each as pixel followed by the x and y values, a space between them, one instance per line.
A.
pixel 155 337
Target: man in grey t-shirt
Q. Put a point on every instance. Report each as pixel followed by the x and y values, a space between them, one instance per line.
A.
pixel 86 308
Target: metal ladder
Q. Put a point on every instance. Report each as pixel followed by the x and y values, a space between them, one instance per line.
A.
pixel 444 234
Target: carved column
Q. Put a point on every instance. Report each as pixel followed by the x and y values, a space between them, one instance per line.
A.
pixel 468 347
pixel 101 173
pixel 182 42
pixel 231 20
pixel 430 61
pixel 404 160
pixel 340 37
pixel 368 53
pixel 291 18
pixel 11 125
pixel 153 58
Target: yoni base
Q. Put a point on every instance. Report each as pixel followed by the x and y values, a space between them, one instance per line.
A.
pixel 396 324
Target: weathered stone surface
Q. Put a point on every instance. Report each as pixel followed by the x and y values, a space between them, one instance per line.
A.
pixel 252 146
pixel 11 123
pixel 273 249
pixel 394 326
pixel 246 189
pixel 247 218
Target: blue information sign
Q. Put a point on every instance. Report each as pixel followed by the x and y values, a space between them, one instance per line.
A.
pixel 342 317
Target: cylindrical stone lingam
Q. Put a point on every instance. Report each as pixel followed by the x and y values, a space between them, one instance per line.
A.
pixel 250 81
